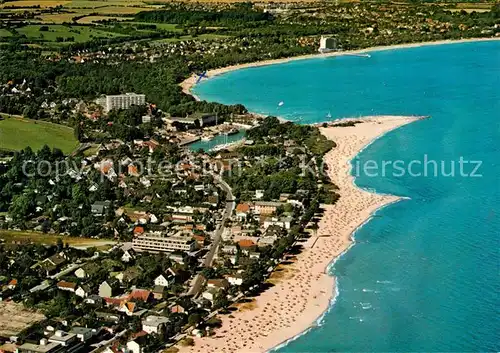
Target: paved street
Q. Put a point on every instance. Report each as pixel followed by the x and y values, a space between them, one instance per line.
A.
pixel 197 282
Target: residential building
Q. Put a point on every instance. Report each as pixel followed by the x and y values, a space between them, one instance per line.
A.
pixel 177 309
pixel 158 292
pixel 138 344
pixel 127 307
pixel 242 211
pixel 218 283
pixel 52 263
pixel 127 256
pixel 123 101
pixel 142 295
pixel 162 280
pixel 158 242
pixel 284 222
pixel 210 294
pixel 82 291
pixel 67 286
pixel 154 324
pixel 230 249
pixel 80 273
pixel 105 290
pixel 266 207
pixel 235 280
pixel 98 208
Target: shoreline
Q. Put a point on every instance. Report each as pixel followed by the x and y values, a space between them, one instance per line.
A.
pixel 188 84
pixel 303 292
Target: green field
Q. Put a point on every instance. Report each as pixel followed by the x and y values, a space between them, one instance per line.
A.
pixel 18 133
pixel 4 33
pixel 172 27
pixel 79 33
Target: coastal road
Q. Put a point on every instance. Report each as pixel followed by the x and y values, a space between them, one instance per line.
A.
pixel 197 282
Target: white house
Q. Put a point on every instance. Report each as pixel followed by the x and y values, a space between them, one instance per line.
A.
pixel 82 292
pixel 210 294
pixel 284 222
pixel 80 273
pixel 235 280
pixel 161 280
pixel 154 324
pixel 105 290
pixel 136 346
pixel 127 256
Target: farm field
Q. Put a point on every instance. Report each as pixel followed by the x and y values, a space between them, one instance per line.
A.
pixel 80 34
pixel 58 17
pixel 92 19
pixel 172 27
pixel 18 133
pixel 31 3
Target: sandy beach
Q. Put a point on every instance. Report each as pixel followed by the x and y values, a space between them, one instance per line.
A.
pixel 190 82
pixel 303 290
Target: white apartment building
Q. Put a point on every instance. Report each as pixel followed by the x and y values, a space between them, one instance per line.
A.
pixel 123 101
pixel 159 242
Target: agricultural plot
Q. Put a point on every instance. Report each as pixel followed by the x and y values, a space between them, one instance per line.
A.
pixel 172 27
pixel 93 19
pixel 17 133
pixel 121 10
pixel 31 3
pixel 58 18
pixel 79 34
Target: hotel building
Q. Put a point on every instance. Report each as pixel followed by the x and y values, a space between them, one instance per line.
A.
pixel 158 242
pixel 123 101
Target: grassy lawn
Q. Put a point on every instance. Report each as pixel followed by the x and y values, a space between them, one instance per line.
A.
pixel 18 133
pixel 79 33
pixel 49 239
pixel 4 33
pixel 172 27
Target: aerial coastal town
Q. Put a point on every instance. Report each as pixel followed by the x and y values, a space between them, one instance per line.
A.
pixel 137 218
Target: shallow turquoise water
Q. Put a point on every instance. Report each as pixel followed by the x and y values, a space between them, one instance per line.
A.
pixel 424 274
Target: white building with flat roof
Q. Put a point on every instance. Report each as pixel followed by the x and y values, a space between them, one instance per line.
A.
pixel 159 242
pixel 123 101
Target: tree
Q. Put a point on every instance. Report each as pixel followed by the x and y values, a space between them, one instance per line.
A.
pixel 220 301
pixel 59 244
pixel 78 132
pixel 194 319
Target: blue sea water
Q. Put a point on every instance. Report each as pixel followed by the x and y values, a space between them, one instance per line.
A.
pixel 424 274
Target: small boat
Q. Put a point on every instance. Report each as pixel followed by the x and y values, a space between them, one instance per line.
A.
pixel 329 115
pixel 281 103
